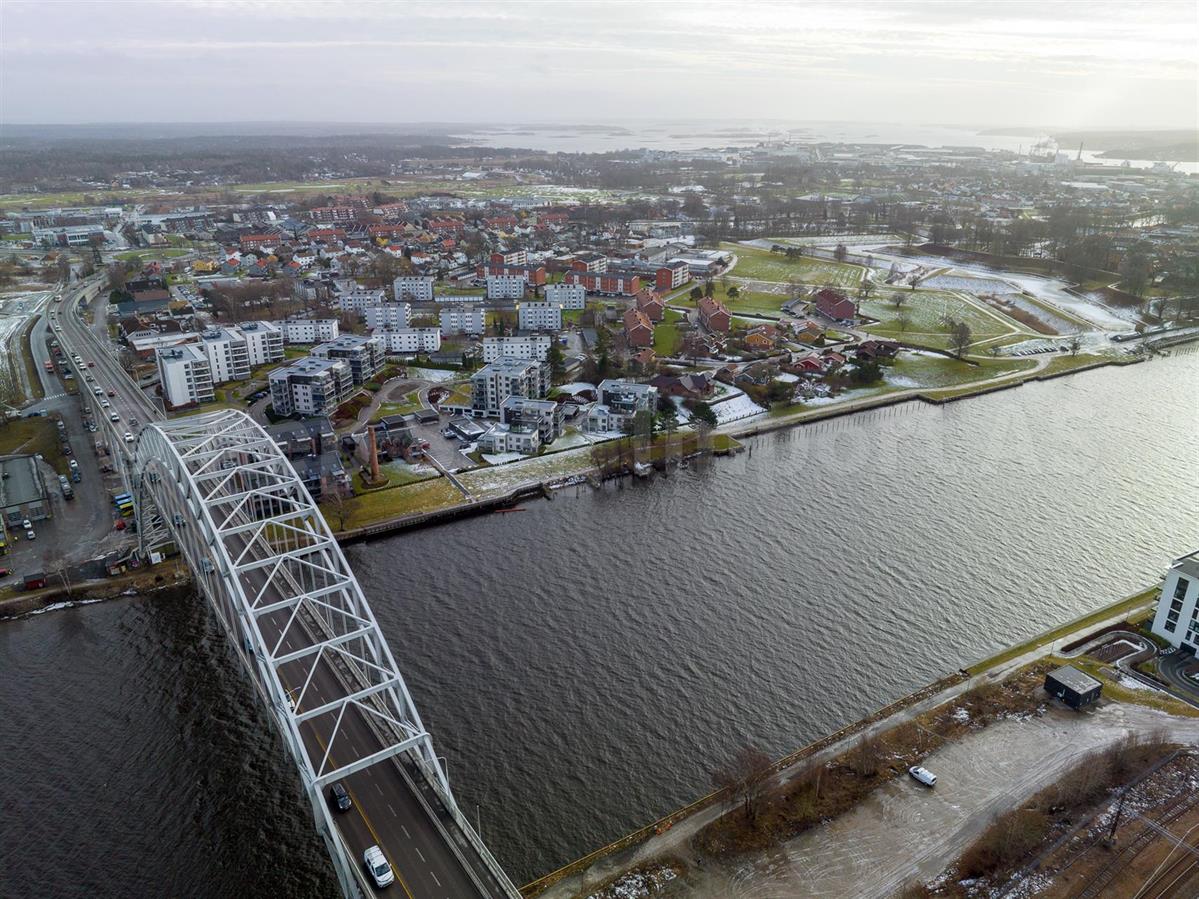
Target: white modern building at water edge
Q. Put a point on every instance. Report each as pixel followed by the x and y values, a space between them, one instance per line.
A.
pixel 1177 617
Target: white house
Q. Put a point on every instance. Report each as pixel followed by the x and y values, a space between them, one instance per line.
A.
pixel 505 287
pixel 360 298
pixel 568 296
pixel 619 402
pixel 536 347
pixel 462 320
pixel 309 330
pixel 390 316
pixel 535 316
pixel 1177 617
pixel 413 288
pixel 410 340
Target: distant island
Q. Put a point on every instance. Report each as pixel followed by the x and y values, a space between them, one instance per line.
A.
pixel 1175 145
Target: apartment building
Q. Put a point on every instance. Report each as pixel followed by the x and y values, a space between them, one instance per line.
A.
pixel 358 299
pixel 309 330
pixel 228 356
pixel 389 316
pixel 568 296
pixel 505 287
pixel 185 375
pixel 410 340
pixel 618 404
pixel 1177 616
pixel 533 275
pixel 413 289
pixel 539 316
pixel 613 284
pixel 470 320
pixel 543 416
pixel 264 342
pixel 536 347
pixel 311 386
pixel 494 383
pixel 510 257
pixel 363 354
pixel 589 262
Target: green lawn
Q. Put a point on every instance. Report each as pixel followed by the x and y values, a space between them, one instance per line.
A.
pixel 34 435
pixel 938 372
pixel 391 502
pixel 925 311
pixel 667 336
pixel 410 403
pixel 763 265
pixel 749 302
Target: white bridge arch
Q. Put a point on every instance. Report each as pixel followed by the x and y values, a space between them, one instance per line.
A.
pixel 219 488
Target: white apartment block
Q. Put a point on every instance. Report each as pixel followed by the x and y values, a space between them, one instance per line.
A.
pixel 310 386
pixel 568 296
pixel 619 402
pixel 536 347
pixel 389 316
pixel 413 289
pixel 505 287
pixel 494 383
pixel 463 320
pixel 1177 616
pixel 360 298
pixel 539 316
pixel 264 342
pixel 364 354
pixel 185 375
pixel 228 356
pixel 410 340
pixel 309 330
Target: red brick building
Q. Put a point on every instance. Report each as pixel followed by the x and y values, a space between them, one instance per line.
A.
pixel 534 277
pixel 334 214
pixel 638 329
pixel 835 305
pixel 613 284
pixel 672 276
pixel 651 304
pixel 713 315
pixel 251 242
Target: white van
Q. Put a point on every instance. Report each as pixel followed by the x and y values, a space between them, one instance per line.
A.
pixel 923 775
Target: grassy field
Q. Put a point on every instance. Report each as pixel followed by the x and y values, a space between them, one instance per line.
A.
pixel 410 403
pixel 763 265
pixel 667 336
pixel 925 311
pixel 748 302
pixel 391 502
pixel 33 435
pixel 937 371
pixel 1078 626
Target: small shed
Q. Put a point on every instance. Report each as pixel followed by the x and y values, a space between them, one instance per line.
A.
pixel 1073 687
pixel 35 581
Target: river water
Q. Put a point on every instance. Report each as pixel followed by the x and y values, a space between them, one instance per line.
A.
pixel 585 663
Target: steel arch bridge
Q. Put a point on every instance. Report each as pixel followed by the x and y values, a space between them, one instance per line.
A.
pixel 218 487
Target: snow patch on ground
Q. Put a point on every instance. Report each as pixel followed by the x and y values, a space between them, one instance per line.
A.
pixel 433 374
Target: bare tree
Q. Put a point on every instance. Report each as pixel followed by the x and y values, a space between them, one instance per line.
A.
pixel 745 779
pixel 1075 345
pixel 960 337
pixel 340 508
pixel 903 320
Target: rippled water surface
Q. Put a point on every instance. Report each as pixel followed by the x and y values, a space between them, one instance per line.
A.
pixel 583 664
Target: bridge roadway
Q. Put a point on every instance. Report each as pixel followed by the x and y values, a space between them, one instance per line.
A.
pixel 387 809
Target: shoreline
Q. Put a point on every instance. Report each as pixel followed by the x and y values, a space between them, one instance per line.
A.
pixel 634 847
pixel 543 487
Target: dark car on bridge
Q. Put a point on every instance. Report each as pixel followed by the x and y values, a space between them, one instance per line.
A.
pixel 339 798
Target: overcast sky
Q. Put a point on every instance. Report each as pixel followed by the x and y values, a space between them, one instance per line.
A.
pixel 1128 65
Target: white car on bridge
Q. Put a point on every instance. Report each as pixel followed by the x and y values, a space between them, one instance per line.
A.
pixel 377 865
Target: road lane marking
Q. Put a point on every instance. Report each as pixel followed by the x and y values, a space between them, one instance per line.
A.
pixel 435 880
pixel 421 854
pixel 379 788
pixel 406 833
pixel 393 811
